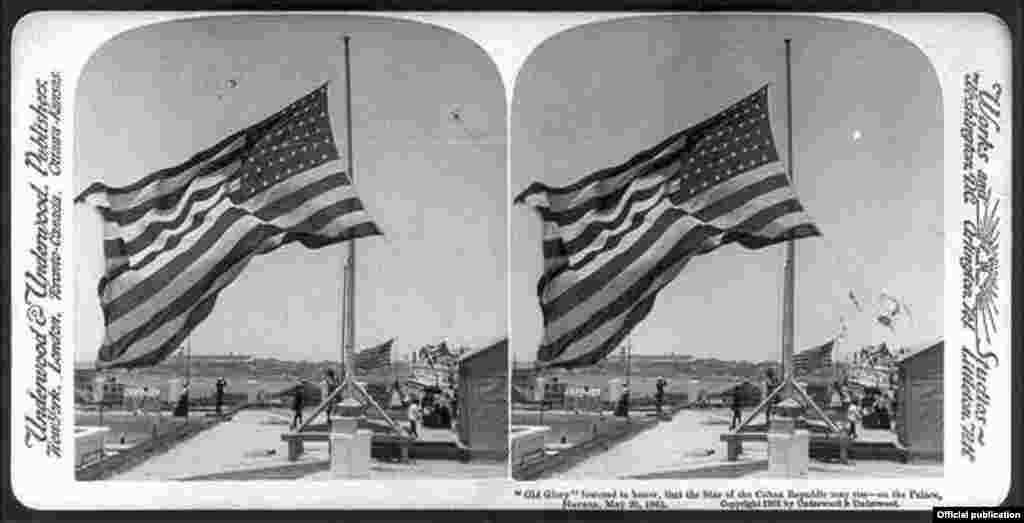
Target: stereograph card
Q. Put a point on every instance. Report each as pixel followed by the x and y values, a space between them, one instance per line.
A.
pixel 611 261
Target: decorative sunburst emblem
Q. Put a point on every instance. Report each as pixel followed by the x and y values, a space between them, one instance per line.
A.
pixel 987 264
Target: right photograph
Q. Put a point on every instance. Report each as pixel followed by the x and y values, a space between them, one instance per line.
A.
pixel 726 252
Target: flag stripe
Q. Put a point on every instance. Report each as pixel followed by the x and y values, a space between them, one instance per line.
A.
pixel 555 248
pixel 273 204
pixel 375 357
pixel 724 218
pixel 575 237
pixel 606 321
pixel 597 345
pixel 146 323
pixel 161 325
pixel 567 216
pixel 238 239
pixel 602 182
pixel 275 210
pixel 159 183
pixel 755 215
pixel 168 336
pixel 809 360
pixel 165 202
pixel 567 319
pixel 208 193
pixel 231 227
pixel 149 326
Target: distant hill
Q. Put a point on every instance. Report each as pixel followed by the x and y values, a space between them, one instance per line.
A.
pixel 671 365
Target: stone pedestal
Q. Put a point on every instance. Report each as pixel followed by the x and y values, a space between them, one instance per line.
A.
pixel 350 449
pixel 788 453
pixel 351 456
pixel 778 452
pixel 801 457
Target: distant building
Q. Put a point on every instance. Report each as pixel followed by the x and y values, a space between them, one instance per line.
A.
pixel 483 400
pixel 108 391
pixel 216 359
pixel 919 418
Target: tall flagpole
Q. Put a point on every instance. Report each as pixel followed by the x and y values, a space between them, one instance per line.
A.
pixel 789 285
pixel 349 348
pixel 788 387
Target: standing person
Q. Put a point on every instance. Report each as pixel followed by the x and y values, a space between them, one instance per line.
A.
pixel 444 409
pixel 771 383
pixel 659 396
pixel 852 413
pixel 737 409
pixel 414 418
pixel 298 402
pixel 181 410
pixel 624 402
pixel 220 384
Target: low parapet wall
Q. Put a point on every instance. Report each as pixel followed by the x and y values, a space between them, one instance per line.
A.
pixel 542 466
pixel 111 465
pixel 526 442
pixel 89 443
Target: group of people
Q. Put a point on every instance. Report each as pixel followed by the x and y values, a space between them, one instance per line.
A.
pixel 442 408
pixel 181 408
pixel 298 393
pixel 852 405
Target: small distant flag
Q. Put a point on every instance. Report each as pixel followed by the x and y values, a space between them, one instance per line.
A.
pixel 841 337
pixel 615 238
pixel 375 357
pixel 436 354
pixel 807 361
pixel 892 308
pixel 856 302
pixel 176 238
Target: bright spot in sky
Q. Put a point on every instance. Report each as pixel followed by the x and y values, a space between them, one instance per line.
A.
pixel 856 135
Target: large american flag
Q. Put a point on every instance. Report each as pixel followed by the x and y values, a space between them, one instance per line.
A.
pixel 615 238
pixel 375 357
pixel 176 238
pixel 810 360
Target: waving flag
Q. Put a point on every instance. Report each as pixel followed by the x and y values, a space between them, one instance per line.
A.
pixel 843 331
pixel 891 309
pixel 615 238
pixel 436 354
pixel 176 238
pixel 856 302
pixel 375 357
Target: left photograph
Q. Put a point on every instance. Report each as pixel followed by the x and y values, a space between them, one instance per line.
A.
pixel 290 253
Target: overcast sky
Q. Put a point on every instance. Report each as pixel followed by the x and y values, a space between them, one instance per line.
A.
pixel 436 185
pixel 867 145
